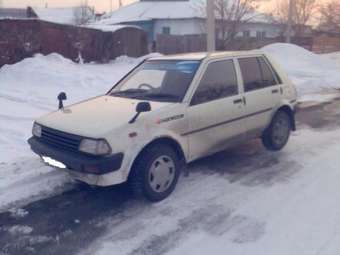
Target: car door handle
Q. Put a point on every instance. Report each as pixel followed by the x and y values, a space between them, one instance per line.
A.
pixel 275 91
pixel 238 101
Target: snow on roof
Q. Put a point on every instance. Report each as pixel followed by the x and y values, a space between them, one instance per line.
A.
pixel 110 28
pixel 140 11
pixel 149 10
pixel 56 15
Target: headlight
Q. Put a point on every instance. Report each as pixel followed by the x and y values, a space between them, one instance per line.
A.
pixel 95 147
pixel 36 130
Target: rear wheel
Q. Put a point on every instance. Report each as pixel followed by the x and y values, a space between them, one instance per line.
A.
pixel 276 136
pixel 155 173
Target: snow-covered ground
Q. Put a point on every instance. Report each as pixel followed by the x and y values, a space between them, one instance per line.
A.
pixel 278 203
pixel 29 88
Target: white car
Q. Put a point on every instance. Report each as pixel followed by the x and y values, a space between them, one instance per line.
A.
pixel 165 113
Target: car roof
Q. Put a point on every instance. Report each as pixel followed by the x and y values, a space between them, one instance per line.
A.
pixel 206 55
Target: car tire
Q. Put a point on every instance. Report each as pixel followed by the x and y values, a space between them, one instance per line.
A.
pixel 155 173
pixel 276 136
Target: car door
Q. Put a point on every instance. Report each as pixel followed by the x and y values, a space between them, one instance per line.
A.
pixel 215 110
pixel 261 92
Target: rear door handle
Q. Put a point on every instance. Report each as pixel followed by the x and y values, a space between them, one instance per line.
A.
pixel 238 101
pixel 275 91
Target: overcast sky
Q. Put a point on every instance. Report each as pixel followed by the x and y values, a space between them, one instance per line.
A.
pixel 100 5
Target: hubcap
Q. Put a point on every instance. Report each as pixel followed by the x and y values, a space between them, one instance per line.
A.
pixel 161 174
pixel 281 131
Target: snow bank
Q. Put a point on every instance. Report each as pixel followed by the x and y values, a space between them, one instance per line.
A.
pixel 311 73
pixel 30 87
pixel 28 90
pixel 335 56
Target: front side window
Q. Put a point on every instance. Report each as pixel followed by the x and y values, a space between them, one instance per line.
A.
pixel 218 81
pixel 158 80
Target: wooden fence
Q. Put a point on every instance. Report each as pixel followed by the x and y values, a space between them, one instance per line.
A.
pixel 172 44
pixel 24 38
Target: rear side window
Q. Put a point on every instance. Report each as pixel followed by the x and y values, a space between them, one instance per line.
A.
pixel 251 73
pixel 218 81
pixel 268 76
pixel 256 73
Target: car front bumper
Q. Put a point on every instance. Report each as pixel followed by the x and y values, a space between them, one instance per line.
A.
pixel 78 162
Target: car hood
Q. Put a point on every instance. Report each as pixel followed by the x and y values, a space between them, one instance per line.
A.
pixel 95 117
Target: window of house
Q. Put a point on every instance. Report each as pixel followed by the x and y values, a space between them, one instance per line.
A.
pixel 218 81
pixel 246 34
pixel 256 73
pixel 261 34
pixel 166 30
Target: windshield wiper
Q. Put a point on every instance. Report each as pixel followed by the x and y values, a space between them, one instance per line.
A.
pixel 161 96
pixel 128 92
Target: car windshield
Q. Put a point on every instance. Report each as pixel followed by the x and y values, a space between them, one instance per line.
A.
pixel 158 80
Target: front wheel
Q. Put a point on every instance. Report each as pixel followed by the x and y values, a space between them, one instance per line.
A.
pixel 276 136
pixel 155 173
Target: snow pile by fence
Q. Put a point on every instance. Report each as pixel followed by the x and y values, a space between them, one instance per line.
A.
pixel 29 89
pixel 311 73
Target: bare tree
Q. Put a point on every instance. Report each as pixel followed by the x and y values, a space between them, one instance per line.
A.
pixel 230 15
pixel 303 13
pixel 330 17
pixel 83 14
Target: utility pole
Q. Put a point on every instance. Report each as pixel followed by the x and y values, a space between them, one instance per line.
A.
pixel 289 23
pixel 111 6
pixel 120 3
pixel 211 44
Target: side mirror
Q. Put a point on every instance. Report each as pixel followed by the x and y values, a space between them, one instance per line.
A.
pixel 141 107
pixel 61 97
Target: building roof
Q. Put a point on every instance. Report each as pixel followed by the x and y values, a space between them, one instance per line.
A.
pixel 57 15
pixel 164 9
pixel 148 10
pixel 13 13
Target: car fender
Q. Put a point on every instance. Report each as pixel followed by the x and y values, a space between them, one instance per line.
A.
pixel 283 103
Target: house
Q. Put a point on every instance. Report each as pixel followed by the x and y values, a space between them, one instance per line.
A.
pixel 182 17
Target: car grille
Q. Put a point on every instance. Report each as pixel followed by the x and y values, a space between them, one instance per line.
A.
pixel 60 139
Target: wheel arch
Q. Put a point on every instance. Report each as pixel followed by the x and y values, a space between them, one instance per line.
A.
pixel 173 143
pixel 291 113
